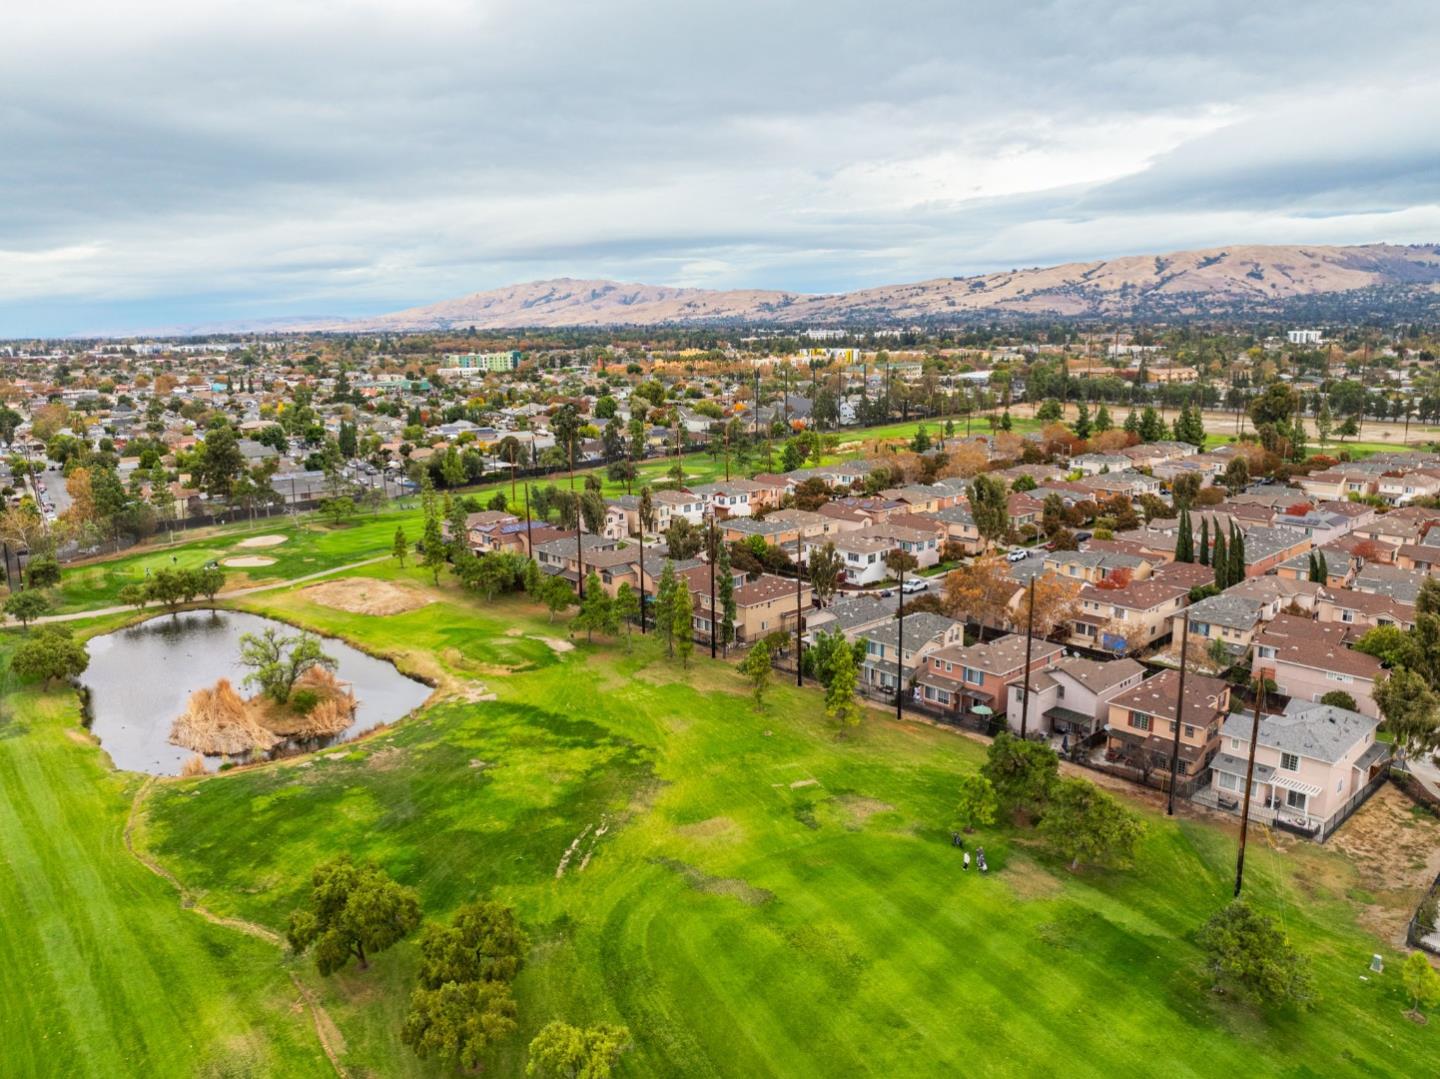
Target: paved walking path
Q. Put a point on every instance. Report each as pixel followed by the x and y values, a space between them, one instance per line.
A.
pixel 75 616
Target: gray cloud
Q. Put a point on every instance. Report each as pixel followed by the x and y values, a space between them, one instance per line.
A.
pixel 258 157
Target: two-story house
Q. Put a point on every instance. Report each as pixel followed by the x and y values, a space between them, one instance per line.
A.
pixel 960 678
pixel 1310 765
pixel 1073 697
pixel 888 657
pixel 1124 620
pixel 1143 721
pixel 1308 659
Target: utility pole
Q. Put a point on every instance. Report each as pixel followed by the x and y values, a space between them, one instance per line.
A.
pixel 579 554
pixel 799 615
pixel 900 641
pixel 1029 643
pixel 1249 781
pixel 1179 716
pixel 529 534
pixel 713 552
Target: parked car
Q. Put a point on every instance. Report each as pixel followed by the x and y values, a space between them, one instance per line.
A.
pixel 914 584
pixel 1082 536
pixel 1017 554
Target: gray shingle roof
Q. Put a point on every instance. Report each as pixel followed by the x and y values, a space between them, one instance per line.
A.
pixel 1318 731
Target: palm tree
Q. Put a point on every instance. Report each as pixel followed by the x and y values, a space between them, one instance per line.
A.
pixel 509 450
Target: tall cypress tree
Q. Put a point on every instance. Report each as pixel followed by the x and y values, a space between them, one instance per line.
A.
pixel 1204 541
pixel 1237 556
pixel 1185 540
pixel 1222 563
pixel 1324 577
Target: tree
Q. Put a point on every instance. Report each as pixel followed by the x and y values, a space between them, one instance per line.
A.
pixel 725 595
pixel 1021 772
pixel 276 663
pixel 42 573
pixel 209 580
pixel 432 541
pixel 1055 600
pixel 683 618
pixel 1082 425
pixel 1421 982
pixel 1246 949
pixel 561 1051
pixel 1184 539
pixel 354 911
pixel 1220 559
pixel 683 539
pixel 556 594
pixel 1348 428
pixel 1103 422
pixel 218 462
pixel 626 608
pixel 1152 427
pixel 26 606
pixel 975 802
pixel 338 510
pixel 401 547
pixel 1236 573
pixel 1085 824
pixel 989 508
pixel 458 1021
pixel 597 609
pixel 167 586
pixel 485 943
pixel 826 570
pixel 1203 555
pixel 981 591
pixel 133 595
pixel 840 702
pixel 665 591
pixel 756 669
pixel 50 654
pixel 1409 706
pixel 1324 422
pixel 1236 476
pixel 1190 426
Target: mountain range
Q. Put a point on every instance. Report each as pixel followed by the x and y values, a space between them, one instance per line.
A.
pixel 1217 283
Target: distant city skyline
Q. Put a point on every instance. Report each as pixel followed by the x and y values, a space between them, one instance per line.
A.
pixel 170 165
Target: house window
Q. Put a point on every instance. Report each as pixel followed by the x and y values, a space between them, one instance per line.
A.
pixel 1189 730
pixel 1295 800
pixel 1289 762
pixel 974 677
pixel 1140 721
pixel 1347 616
pixel 1229 782
pixel 1344 678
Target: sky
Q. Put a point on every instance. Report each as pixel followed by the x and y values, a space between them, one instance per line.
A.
pixel 167 164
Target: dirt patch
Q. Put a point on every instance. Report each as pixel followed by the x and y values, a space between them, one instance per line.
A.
pixel 362 595
pixel 247 561
pixel 84 738
pixel 714 828
pixel 1028 881
pixel 804 783
pixel 471 692
pixel 555 643
pixel 1396 855
pixel 262 541
pixel 744 891
pixel 386 760
pixel 856 810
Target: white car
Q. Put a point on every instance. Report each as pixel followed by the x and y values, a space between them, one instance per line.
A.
pixel 1017 554
pixel 914 584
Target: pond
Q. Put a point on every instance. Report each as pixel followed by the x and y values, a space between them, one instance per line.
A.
pixel 141 678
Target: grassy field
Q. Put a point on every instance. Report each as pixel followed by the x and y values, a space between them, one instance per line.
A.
pixel 765 899
pixel 105 974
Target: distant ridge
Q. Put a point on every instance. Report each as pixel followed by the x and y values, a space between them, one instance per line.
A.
pixel 1214 283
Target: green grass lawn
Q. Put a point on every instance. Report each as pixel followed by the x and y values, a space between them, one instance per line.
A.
pixel 765 899
pixel 105 974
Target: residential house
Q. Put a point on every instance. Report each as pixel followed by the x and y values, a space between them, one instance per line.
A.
pixel 1228 619
pixel 1143 723
pixel 958 679
pixel 924 634
pixel 1312 766
pixel 862 554
pixel 1308 659
pixel 766 605
pixel 1125 620
pixel 1073 697
pixel 1362 610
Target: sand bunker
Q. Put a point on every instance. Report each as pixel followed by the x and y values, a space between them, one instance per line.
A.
pixel 363 596
pixel 248 561
pixel 262 541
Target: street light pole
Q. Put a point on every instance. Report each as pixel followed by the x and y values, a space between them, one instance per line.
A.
pixel 1249 781
pixel 1179 716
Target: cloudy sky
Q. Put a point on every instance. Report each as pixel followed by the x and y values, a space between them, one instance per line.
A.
pixel 166 163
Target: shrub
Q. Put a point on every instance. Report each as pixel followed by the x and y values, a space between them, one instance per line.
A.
pixel 304 701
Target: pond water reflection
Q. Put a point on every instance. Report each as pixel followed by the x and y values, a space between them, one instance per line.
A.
pixel 141 678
